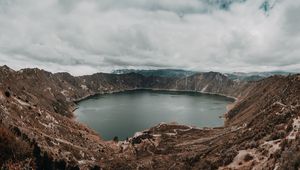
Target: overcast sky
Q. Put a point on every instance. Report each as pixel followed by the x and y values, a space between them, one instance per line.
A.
pixel 87 36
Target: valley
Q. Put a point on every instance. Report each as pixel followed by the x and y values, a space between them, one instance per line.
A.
pixel 261 129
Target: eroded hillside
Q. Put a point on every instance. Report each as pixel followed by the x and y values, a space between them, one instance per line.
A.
pixel 262 129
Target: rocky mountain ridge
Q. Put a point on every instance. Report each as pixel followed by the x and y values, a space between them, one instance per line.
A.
pixel 261 129
pixel 159 72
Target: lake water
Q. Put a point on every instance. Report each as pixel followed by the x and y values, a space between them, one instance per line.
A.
pixel 122 114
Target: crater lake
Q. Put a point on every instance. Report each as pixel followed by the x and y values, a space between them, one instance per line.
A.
pixel 124 113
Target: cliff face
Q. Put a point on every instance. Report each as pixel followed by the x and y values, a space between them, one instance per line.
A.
pixel 262 128
pixel 262 132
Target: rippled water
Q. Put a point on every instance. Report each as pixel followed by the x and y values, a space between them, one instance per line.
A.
pixel 123 114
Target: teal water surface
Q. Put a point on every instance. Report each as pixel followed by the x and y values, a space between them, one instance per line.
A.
pixel 122 114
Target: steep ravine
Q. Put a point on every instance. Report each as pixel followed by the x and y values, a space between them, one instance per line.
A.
pixel 262 129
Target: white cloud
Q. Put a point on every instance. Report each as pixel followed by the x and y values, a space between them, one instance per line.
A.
pixel 83 37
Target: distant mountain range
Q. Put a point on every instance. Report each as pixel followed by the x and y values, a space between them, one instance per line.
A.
pixel 236 76
pixel 254 76
pixel 157 73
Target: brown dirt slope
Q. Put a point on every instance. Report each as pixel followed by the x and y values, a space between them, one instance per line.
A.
pixel 262 129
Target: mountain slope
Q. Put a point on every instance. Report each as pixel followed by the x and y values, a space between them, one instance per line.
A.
pixel 157 73
pixel 262 129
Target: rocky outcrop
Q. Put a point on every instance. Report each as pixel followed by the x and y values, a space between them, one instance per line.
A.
pixel 262 132
pixel 262 129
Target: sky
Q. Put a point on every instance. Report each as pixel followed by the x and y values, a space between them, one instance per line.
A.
pixel 88 36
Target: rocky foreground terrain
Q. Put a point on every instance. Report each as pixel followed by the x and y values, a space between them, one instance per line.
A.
pixel 38 130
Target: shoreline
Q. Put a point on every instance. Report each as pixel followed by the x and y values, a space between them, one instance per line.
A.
pixel 228 107
pixel 153 89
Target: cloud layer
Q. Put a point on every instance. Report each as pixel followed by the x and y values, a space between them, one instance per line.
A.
pixel 84 37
